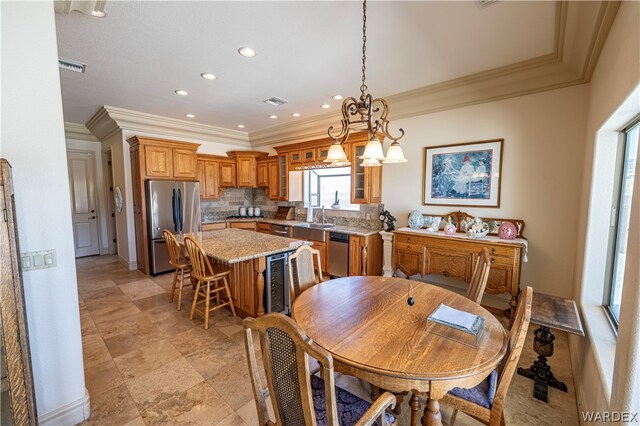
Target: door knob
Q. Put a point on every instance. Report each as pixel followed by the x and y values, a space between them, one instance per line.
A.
pixel 93 211
pixel 92 217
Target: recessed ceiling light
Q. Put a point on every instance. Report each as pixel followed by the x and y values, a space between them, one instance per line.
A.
pixel 181 92
pixel 240 126
pixel 273 116
pixel 189 115
pixel 98 13
pixel 337 97
pixel 295 114
pixel 325 106
pixel 208 76
pixel 247 52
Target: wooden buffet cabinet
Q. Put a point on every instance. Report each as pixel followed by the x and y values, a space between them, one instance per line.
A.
pixel 157 159
pixel 416 252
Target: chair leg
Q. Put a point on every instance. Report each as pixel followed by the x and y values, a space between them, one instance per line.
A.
pixel 502 421
pixel 180 289
pixel 195 300
pixel 453 417
pixel 226 287
pixel 206 305
pixel 173 286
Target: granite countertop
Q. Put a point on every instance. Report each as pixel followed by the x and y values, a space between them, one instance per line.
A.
pixel 237 245
pixel 365 232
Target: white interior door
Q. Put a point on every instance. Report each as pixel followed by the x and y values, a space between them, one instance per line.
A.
pixel 83 203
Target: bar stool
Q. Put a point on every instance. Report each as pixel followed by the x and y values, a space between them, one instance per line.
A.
pixel 178 259
pixel 211 280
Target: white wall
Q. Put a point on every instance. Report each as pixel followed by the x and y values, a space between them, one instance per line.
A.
pixel 616 76
pixel 541 171
pixel 34 144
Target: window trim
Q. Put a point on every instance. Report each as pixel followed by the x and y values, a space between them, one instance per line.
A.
pixel 614 232
pixel 317 189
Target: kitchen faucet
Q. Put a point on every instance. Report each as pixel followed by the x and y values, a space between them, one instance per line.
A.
pixel 323 218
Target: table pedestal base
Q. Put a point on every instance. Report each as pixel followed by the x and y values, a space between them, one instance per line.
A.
pixel 540 371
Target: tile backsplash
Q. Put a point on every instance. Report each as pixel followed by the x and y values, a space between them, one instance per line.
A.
pixel 233 198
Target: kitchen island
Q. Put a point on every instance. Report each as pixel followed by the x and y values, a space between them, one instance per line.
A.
pixel 245 252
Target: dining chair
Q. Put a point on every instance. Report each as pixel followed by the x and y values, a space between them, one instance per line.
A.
pixel 303 274
pixel 485 402
pixel 298 397
pixel 178 259
pixel 211 281
pixel 479 277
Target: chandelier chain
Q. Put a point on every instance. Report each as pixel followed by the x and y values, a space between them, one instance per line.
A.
pixel 363 86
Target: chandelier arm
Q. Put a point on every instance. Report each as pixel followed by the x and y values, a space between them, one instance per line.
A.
pixel 349 107
pixel 384 122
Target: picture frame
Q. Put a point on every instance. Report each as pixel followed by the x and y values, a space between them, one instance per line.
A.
pixel 463 174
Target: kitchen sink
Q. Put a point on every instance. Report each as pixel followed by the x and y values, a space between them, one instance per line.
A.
pixel 316 225
pixel 310 231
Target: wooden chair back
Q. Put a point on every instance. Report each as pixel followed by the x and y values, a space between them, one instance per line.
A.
pixel 303 274
pixel 285 353
pixel 514 349
pixel 480 277
pixel 177 256
pixel 200 265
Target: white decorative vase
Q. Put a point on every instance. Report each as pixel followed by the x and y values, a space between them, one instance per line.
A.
pixel 416 220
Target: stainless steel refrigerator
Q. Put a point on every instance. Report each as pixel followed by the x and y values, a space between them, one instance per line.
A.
pixel 174 206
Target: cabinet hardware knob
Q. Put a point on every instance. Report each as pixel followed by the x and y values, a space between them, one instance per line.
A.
pixel 493 260
pixel 493 251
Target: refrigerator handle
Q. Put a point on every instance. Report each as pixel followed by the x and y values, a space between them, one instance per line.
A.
pixel 173 208
pixel 180 211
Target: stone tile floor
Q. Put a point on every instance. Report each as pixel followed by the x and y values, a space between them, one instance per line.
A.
pixel 146 363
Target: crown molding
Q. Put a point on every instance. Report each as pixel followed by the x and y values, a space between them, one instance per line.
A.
pixel 78 132
pixel 581 29
pixel 101 125
pixel 110 119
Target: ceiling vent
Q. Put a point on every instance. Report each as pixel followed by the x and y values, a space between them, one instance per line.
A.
pixel 275 101
pixel 68 64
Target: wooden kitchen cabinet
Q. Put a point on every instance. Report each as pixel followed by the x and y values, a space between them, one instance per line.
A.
pixel 214 226
pixel 209 177
pixel 283 178
pixel 159 159
pixel 417 253
pixel 324 255
pixel 273 189
pixel 366 182
pixel 264 228
pixel 365 255
pixel 227 174
pixel 251 226
pixel 246 167
pixel 184 163
pixel 263 174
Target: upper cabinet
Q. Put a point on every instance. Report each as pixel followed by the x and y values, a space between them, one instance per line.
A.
pixel 228 174
pixel 246 167
pixel 160 158
pixel 366 182
pixel 209 176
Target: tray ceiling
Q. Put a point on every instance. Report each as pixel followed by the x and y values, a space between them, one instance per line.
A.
pixel 307 51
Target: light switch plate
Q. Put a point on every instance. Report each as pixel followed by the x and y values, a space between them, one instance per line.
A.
pixel 42 259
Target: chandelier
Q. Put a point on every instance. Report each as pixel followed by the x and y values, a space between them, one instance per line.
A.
pixel 365 113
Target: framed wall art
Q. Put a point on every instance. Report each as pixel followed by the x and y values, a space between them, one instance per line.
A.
pixel 465 174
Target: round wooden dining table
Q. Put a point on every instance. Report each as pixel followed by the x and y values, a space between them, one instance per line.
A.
pixel 373 334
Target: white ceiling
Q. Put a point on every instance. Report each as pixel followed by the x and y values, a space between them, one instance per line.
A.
pixel 307 51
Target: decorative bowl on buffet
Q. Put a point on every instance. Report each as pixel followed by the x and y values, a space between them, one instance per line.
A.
pixel 477 228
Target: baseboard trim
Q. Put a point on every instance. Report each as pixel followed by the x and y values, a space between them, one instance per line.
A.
pixel 132 266
pixel 70 414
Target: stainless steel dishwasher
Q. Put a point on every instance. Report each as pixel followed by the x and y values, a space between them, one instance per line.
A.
pixel 338 254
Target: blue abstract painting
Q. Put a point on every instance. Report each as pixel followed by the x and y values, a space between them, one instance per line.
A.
pixel 462 175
